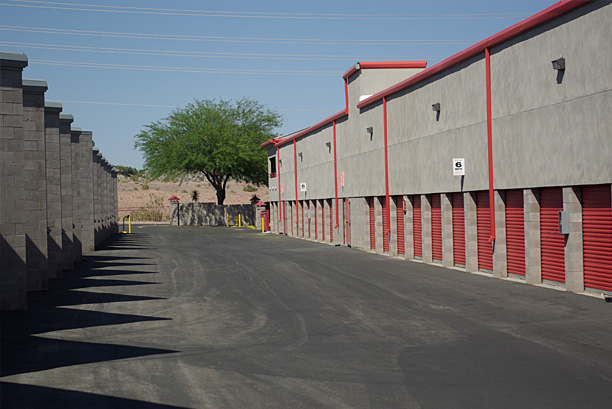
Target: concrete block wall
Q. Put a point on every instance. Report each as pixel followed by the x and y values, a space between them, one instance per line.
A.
pixel 46 188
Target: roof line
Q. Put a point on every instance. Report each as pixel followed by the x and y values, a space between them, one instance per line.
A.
pixel 542 17
pixel 383 65
pixel 316 126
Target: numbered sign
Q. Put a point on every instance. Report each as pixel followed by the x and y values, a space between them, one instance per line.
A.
pixel 459 167
pixel 302 187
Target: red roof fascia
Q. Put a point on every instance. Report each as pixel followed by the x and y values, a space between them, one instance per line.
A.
pixel 316 126
pixel 269 142
pixel 383 65
pixel 540 18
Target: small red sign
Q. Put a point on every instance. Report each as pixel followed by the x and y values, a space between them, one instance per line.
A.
pixel 341 178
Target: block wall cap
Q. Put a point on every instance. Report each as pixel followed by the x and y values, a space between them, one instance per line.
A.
pixel 75 129
pixel 95 150
pixel 89 133
pixel 53 107
pixel 13 60
pixel 35 86
pixel 66 117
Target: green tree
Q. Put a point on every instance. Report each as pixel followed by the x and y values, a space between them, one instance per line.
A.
pixel 221 140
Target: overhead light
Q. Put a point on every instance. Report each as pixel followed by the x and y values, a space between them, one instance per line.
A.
pixel 559 64
pixel 436 107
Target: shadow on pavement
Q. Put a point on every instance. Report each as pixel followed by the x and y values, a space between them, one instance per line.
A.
pixel 14 395
pixel 24 346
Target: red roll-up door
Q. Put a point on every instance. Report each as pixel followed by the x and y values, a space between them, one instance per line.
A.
pixel 315 210
pixel 597 236
pixel 383 202
pixel 331 221
pixel 285 217
pixel 323 220
pixel 372 223
pixel 347 222
pixel 552 243
pixel 309 216
pixel 436 227
pixel 515 232
pixel 458 230
pixel 401 238
pixel 291 213
pixel 417 226
pixel 483 226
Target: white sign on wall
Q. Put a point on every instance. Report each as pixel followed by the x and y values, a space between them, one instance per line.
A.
pixel 341 178
pixel 282 188
pixel 459 167
pixel 302 187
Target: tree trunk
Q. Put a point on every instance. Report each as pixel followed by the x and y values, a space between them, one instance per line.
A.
pixel 220 196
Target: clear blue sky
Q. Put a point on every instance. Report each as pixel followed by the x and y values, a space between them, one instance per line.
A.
pixel 119 65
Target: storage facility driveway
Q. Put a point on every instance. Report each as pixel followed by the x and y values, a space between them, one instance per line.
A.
pixel 228 318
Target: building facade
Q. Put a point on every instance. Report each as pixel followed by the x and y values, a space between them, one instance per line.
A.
pixel 495 160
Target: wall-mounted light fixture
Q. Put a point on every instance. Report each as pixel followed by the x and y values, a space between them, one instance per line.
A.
pixel 280 162
pixel 370 131
pixel 328 144
pixel 559 64
pixel 436 107
pixel 301 155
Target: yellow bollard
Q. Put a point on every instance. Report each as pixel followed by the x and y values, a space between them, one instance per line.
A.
pixel 129 224
pixel 262 225
pixel 227 219
pixel 239 221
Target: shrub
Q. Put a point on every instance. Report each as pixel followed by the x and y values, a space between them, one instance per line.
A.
pixel 145 187
pixel 249 188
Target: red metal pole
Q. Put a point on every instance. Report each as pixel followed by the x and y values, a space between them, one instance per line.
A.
pixel 297 213
pixel 336 175
pixel 490 145
pixel 346 95
pixel 388 224
pixel 278 182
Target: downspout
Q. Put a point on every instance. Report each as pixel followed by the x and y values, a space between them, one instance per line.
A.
pixel 388 224
pixel 297 212
pixel 490 145
pixel 336 175
pixel 346 95
pixel 278 183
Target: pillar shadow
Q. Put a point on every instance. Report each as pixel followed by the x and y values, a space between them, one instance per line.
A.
pixel 13 395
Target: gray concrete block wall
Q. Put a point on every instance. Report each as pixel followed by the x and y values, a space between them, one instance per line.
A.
pixel 500 265
pixel 13 277
pixel 533 255
pixel 78 200
pixel 574 262
pixel 54 189
pixel 35 201
pixel 86 168
pixel 447 230
pixel 66 190
pixel 426 225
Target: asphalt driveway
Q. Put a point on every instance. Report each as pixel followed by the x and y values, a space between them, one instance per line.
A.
pixel 197 317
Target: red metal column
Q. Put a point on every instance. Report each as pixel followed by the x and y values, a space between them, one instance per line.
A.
pixel 297 217
pixel 597 236
pixel 335 175
pixel 515 232
pixel 331 221
pixel 386 209
pixel 323 220
pixel 490 148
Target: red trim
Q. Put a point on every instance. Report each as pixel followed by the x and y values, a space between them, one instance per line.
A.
pixel 278 183
pixel 381 65
pixel 387 210
pixel 341 114
pixel 297 213
pixel 346 95
pixel 542 17
pixel 269 142
pixel 490 146
pixel 335 175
